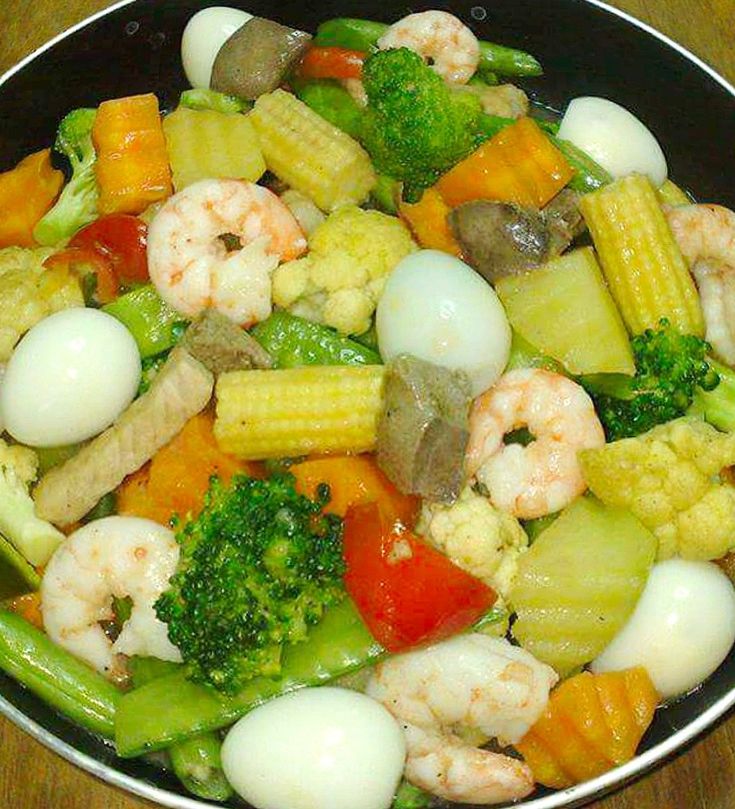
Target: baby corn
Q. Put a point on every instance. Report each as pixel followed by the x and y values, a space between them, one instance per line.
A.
pixel 643 266
pixel 297 411
pixel 310 154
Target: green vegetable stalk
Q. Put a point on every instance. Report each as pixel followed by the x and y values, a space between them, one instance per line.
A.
pixel 199 99
pixel 363 35
pixel 17 576
pixel 77 205
pixel 56 676
pixel 717 406
pixel 410 797
pixel 293 341
pixel 197 760
pixel 174 708
pixel 588 175
pixel 155 326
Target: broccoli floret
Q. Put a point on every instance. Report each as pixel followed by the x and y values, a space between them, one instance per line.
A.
pixel 717 405
pixel 415 127
pixel 257 568
pixel 670 368
pixel 77 205
pixel 33 537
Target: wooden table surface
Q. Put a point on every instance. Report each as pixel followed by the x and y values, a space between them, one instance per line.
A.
pixel 31 777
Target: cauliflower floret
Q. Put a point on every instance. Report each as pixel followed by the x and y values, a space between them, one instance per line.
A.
pixel 35 538
pixel 341 279
pixel 477 537
pixel 669 478
pixel 30 292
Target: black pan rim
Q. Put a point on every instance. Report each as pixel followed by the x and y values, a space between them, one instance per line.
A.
pixel 566 799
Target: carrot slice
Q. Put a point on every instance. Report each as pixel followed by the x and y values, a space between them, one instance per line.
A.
pixel 132 160
pixel 519 164
pixel 26 193
pixel 427 219
pixel 592 723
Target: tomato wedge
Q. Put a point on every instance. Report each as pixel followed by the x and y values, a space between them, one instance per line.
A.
pixel 122 240
pixel 407 592
pixel 331 63
pixel 83 261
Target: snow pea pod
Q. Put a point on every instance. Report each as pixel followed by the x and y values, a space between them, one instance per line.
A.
pixel 293 342
pixel 170 709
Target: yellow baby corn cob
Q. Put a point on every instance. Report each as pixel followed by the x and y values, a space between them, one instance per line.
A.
pixel 643 266
pixel 296 411
pixel 205 144
pixel 309 153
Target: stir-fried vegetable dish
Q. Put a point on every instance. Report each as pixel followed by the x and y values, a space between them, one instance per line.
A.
pixel 364 421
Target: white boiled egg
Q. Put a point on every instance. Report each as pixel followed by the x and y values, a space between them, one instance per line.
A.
pixel 205 33
pixel 69 378
pixel 681 629
pixel 317 748
pixel 440 310
pixel 613 137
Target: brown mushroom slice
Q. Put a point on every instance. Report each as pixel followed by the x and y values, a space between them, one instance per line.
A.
pixel 423 430
pixel 500 238
pixel 221 345
pixel 256 58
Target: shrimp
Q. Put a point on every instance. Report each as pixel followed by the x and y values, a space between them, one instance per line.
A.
pixel 191 259
pixel 544 476
pixel 113 556
pixel 468 684
pixel 443 41
pixel 706 236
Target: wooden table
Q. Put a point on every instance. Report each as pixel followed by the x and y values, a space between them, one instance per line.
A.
pixel 31 777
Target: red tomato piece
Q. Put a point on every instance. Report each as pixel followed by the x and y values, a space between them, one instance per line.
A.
pixel 407 592
pixel 122 239
pixel 83 261
pixel 331 63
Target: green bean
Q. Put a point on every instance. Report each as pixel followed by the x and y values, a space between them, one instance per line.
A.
pixel 588 175
pixel 330 100
pixel 293 342
pixel 197 760
pixel 50 672
pixel 363 35
pixel 171 709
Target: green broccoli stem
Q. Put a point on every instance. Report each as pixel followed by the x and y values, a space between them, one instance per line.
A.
pixel 17 577
pixel 410 797
pixel 153 323
pixel 197 761
pixel 330 100
pixel 717 406
pixel 173 708
pixel 58 678
pixel 292 342
pixel 385 194
pixel 363 35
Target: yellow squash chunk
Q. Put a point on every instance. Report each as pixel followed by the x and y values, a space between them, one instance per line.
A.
pixel 566 311
pixel 592 723
pixel 644 268
pixel 578 583
pixel 299 411
pixel 205 144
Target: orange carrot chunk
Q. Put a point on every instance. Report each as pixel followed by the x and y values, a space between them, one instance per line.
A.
pixel 519 164
pixel 26 193
pixel 592 723
pixel 132 161
pixel 354 480
pixel 28 606
pixel 427 219
pixel 177 478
